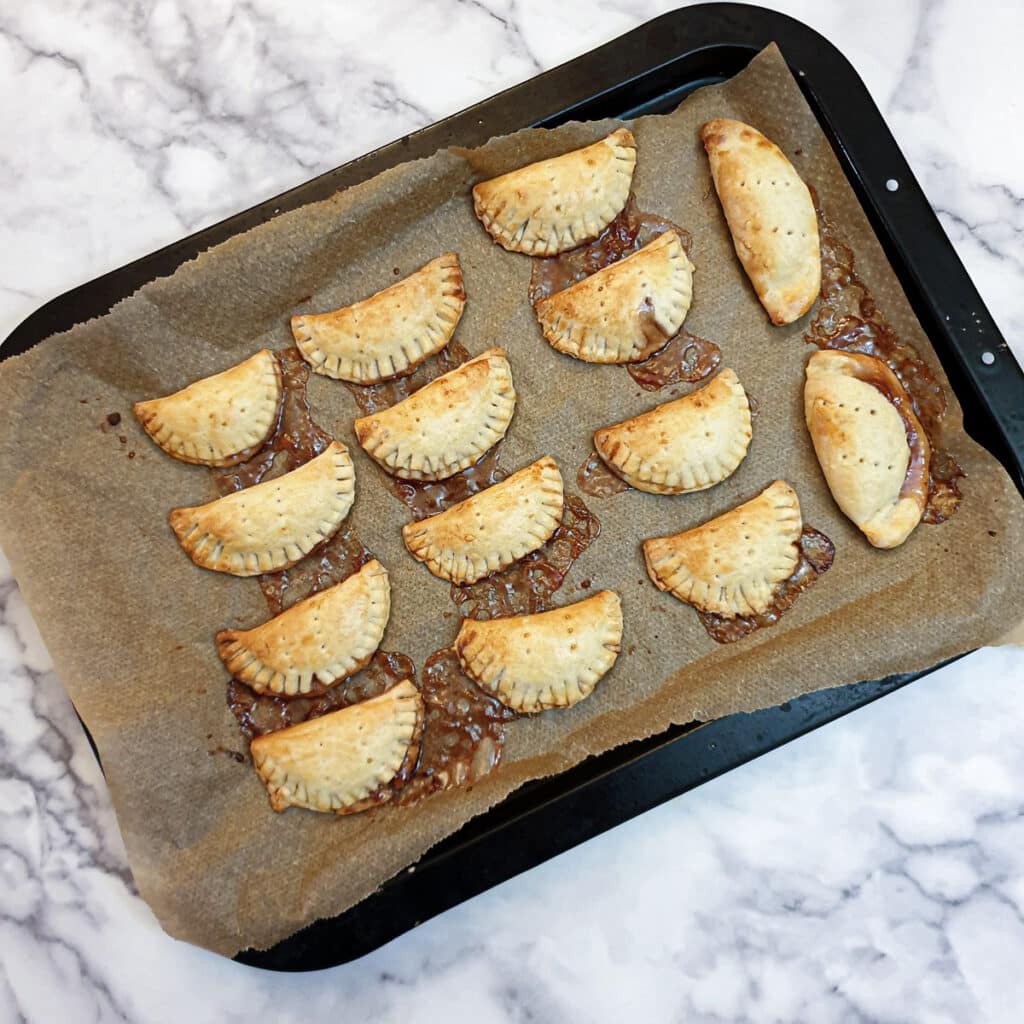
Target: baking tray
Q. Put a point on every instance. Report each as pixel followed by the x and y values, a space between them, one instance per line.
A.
pixel 647 71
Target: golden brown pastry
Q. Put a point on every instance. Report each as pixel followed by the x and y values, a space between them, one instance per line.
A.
pixel 342 761
pixel 557 204
pixel 446 425
pixel 323 639
pixel 389 334
pixel 219 420
pixel 770 214
pixel 493 528
pixel 626 311
pixel 732 564
pixel 273 524
pixel 688 444
pixel 549 660
pixel 871 446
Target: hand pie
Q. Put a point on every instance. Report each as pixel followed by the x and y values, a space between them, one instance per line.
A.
pixel 390 333
pixel 342 761
pixel 219 420
pixel 732 564
pixel 688 444
pixel 626 311
pixel 446 425
pixel 770 214
pixel 324 638
pixel 491 529
pixel 557 204
pixel 872 448
pixel 549 660
pixel 273 524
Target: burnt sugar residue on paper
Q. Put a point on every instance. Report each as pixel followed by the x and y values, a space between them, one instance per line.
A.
pixel 680 358
pixel 847 318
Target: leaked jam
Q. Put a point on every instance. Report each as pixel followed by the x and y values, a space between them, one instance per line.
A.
pixel 527 586
pixel 597 480
pixel 848 319
pixel 816 555
pixel 683 359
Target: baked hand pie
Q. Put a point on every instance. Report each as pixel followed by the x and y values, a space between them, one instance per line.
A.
pixel 446 425
pixel 626 311
pixel 549 660
pixel 688 444
pixel 389 334
pixel 273 524
pixel 320 640
pixel 219 420
pixel 343 761
pixel 553 205
pixel 493 528
pixel 770 215
pixel 732 564
pixel 871 446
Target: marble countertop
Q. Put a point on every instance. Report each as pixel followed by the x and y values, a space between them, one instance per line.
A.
pixel 873 870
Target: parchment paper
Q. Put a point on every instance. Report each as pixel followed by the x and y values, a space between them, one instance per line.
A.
pixel 130 621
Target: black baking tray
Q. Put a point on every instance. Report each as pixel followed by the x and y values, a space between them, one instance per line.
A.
pixel 647 71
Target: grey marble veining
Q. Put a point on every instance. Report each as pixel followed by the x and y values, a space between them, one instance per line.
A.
pixel 873 871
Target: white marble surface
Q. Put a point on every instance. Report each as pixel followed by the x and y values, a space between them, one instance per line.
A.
pixel 871 871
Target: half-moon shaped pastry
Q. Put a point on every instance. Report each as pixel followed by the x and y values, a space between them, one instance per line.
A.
pixel 688 444
pixel 389 334
pixel 770 214
pixel 342 761
pixel 324 638
pixel 446 425
pixel 557 204
pixel 549 660
pixel 219 420
pixel 731 564
pixel 273 524
pixel 871 446
pixel 491 529
pixel 625 311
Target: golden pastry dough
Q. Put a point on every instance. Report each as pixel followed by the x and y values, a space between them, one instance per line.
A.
pixel 491 529
pixel 731 564
pixel 549 660
pixel 390 333
pixel 273 524
pixel 770 214
pixel 219 420
pixel 861 442
pixel 557 204
pixel 626 311
pixel 687 444
pixel 341 761
pixel 446 425
pixel 324 638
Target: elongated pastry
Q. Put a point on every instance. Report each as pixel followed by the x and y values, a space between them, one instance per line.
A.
pixel 731 564
pixel 626 311
pixel 871 445
pixel 557 204
pixel 549 660
pixel 770 214
pixel 688 444
pixel 346 760
pixel 273 524
pixel 323 639
pixel 389 334
pixel 219 420
pixel 491 529
pixel 446 425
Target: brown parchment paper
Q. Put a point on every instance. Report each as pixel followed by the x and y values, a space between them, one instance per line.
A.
pixel 130 621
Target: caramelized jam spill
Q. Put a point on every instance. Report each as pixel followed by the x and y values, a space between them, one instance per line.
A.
pixel 528 585
pixel 683 359
pixel 597 480
pixel 848 319
pixel 816 554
